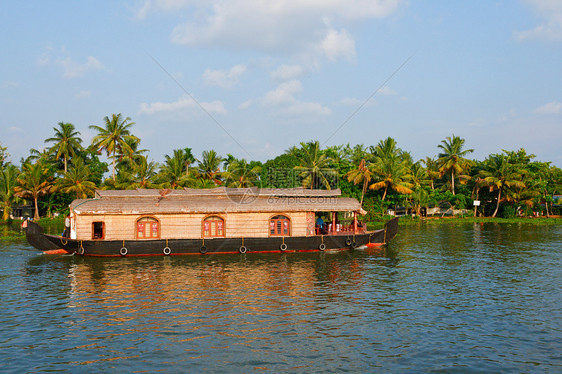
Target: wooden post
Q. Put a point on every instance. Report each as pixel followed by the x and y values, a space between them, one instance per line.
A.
pixel 334 223
pixel 355 222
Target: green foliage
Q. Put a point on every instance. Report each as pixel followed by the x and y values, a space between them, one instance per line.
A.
pixel 66 143
pixel 508 211
pixel 115 138
pixel 451 160
pixel 507 184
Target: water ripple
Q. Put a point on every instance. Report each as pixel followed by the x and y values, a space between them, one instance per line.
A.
pixel 459 298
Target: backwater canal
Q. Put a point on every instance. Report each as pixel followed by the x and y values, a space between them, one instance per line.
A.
pixel 441 298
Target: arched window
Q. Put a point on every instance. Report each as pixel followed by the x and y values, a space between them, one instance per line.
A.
pixel 148 228
pixel 279 226
pixel 213 226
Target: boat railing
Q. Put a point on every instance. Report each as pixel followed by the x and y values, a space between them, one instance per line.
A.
pixel 341 229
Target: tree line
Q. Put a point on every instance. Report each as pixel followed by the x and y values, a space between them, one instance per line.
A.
pixel 381 176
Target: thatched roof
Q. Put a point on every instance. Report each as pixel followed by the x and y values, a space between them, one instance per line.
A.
pixel 215 200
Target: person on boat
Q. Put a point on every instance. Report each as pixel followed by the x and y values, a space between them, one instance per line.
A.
pixel 66 232
pixel 320 225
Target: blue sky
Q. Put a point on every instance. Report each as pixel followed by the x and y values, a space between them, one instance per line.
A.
pixel 266 75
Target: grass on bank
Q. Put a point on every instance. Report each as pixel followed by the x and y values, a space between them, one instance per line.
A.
pixel 409 220
pixel 12 230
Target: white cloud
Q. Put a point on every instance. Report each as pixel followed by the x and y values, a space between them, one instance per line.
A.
pixel 283 94
pixel 83 93
pixel 181 104
pixel 283 97
pixel 224 78
pixel 300 108
pixel 151 6
pixel 294 27
pixel 338 45
pixel 287 72
pixel 74 70
pixel 550 108
pixel 246 104
pixel 550 11
pixel 387 91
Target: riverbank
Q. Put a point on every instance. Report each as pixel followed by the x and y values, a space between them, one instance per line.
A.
pixel 12 229
pixel 409 220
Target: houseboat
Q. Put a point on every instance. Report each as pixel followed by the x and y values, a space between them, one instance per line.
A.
pixel 167 222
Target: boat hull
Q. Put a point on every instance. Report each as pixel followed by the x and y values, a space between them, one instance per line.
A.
pixel 171 247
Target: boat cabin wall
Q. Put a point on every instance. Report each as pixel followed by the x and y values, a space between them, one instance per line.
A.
pixel 186 226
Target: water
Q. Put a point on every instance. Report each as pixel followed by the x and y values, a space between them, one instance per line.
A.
pixel 441 298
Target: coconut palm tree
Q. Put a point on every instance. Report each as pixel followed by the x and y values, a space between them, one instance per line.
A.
pixel 432 170
pixel 241 174
pixel 3 155
pixel 391 173
pixel 385 149
pixel 141 174
pixel 390 167
pixel 362 174
pixel 498 174
pixel 8 176
pixel 172 172
pixel 451 160
pixel 357 153
pixel 33 182
pixel 115 138
pixel 417 176
pixel 66 142
pixel 209 167
pixel 313 164
pixel 77 180
pixel 420 198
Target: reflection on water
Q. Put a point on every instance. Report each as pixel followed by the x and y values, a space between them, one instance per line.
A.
pixel 452 297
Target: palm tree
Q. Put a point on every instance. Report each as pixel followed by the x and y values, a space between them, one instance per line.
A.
pixel 201 183
pixel 209 167
pixel 115 137
pixel 391 173
pixel 3 155
pixel 128 159
pixel 385 149
pixel 172 172
pixel 77 180
pixel 498 174
pixel 452 160
pixel 33 182
pixel 66 142
pixel 141 174
pixel 36 155
pixel 420 197
pixel 8 176
pixel 187 159
pixel 357 153
pixel 360 175
pixel 390 167
pixel 240 174
pixel 525 193
pixel 432 170
pixel 417 175
pixel 313 164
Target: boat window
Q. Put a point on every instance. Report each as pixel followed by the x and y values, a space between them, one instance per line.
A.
pixel 213 226
pixel 148 228
pixel 98 230
pixel 279 226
